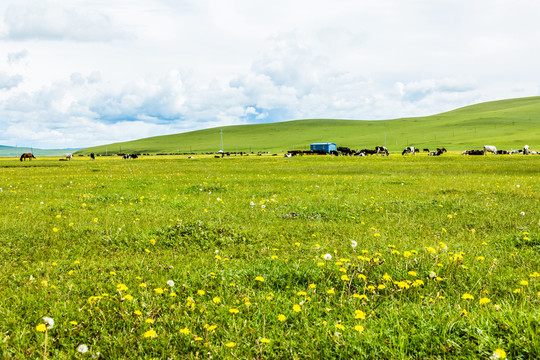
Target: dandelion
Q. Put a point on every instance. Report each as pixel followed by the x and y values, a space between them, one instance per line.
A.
pixel 412 273
pixel 158 290
pixel 327 257
pixel 74 323
pixel 201 292
pixel 216 300
pixel 297 308
pixel 259 278
pixel 406 254
pixel 340 327
pixel 301 293
pixel 137 312
pixel 345 278
pixel 128 297
pixel 498 354
pixel 312 286
pixel 153 241
pixel 359 328
pixel 49 322
pixel 387 277
pixel 522 213
pixel 230 344
pixel 41 328
pixel 484 301
pixel 170 283
pixel 354 244
pixel 234 311
pixel 185 331
pixel 150 334
pixel 467 297
pixel 282 317
pixel 523 283
pixel 359 314
pixel 83 349
pixel 121 287
pixel 432 274
pixel 265 340
pixel 331 291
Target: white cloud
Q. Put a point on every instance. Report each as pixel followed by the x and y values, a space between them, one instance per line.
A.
pixel 47 20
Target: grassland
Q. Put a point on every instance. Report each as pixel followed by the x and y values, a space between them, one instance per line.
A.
pixel 506 124
pixel 268 257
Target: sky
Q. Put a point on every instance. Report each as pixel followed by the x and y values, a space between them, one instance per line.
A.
pixel 75 74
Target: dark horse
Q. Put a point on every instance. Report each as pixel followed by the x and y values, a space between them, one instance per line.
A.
pixel 28 156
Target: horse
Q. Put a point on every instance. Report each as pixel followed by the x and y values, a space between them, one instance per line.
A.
pixel 28 156
pixel 490 148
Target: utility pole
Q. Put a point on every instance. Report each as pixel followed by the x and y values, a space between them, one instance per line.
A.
pixel 221 133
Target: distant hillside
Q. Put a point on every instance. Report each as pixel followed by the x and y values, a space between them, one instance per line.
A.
pixel 17 151
pixel 505 124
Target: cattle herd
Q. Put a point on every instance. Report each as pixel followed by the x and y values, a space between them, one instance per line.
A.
pixel 381 150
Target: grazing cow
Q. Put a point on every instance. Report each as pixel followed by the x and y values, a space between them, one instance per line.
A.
pixel 441 150
pixel 69 156
pixel 490 148
pixel 526 150
pixel 426 150
pixel 368 152
pixel 382 150
pixel 410 149
pixel 130 156
pixel 502 152
pixel 93 156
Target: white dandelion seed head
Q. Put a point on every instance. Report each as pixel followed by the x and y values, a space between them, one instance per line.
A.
pixel 522 213
pixel 252 203
pixel 327 257
pixel 518 186
pixel 170 283
pixel 82 349
pixel 263 206
pixel 354 243
pixel 49 322
pixel 432 274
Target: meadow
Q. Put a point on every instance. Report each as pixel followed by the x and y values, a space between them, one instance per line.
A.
pixel 399 257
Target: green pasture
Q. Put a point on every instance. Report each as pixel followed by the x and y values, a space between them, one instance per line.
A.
pixel 399 257
pixel 506 124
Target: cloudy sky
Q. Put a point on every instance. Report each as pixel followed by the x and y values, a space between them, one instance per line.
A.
pixel 82 73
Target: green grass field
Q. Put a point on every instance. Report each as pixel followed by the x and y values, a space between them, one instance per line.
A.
pixel 506 124
pixel 399 257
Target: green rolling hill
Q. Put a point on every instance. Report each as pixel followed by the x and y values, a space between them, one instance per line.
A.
pixel 506 124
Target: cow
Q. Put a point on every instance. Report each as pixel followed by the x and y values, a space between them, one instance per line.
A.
pixel 441 150
pixel 473 152
pixel 490 148
pixel 410 149
pixel 426 150
pixel 130 156
pixel 382 150
pixel 526 150
pixel 433 153
pixel 93 156
pixel 502 152
pixel 69 156
pixel 368 152
pixel 515 152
